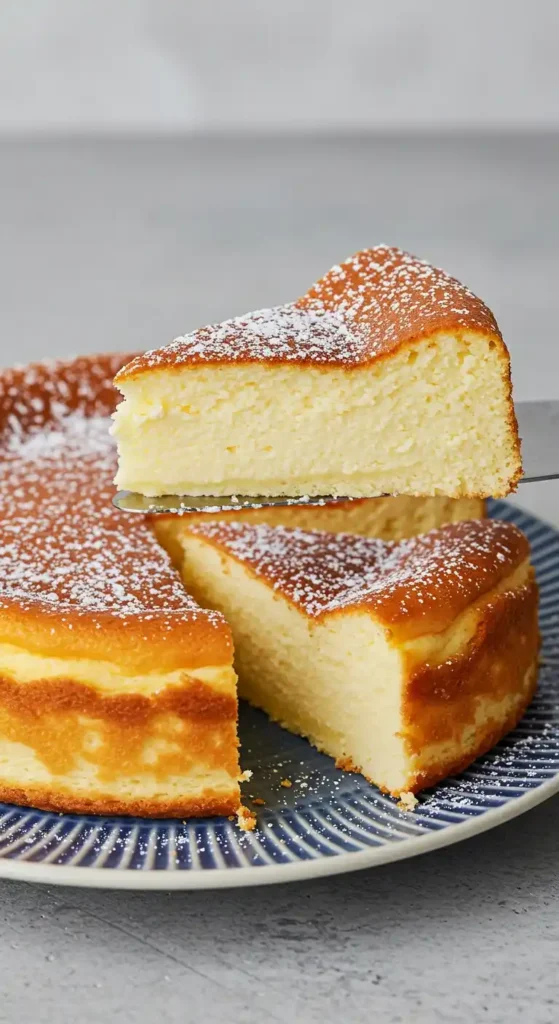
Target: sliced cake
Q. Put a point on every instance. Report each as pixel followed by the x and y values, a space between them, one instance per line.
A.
pixel 387 377
pixel 390 518
pixel 117 691
pixel 404 661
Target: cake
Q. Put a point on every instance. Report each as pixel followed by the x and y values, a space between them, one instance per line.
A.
pixel 402 660
pixel 387 377
pixel 390 518
pixel 117 691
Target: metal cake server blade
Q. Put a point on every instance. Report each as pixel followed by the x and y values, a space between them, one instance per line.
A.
pixel 182 504
pixel 538 424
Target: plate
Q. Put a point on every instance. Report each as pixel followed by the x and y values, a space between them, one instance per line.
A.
pixel 314 819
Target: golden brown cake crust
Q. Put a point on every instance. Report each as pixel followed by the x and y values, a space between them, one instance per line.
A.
pixel 81 581
pixel 210 804
pixel 499 664
pixel 193 699
pixel 413 587
pixel 191 726
pixel 77 577
pixel 34 395
pixel 486 740
pixel 365 309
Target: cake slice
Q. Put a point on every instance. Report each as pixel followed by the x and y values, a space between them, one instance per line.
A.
pixel 387 377
pixel 404 661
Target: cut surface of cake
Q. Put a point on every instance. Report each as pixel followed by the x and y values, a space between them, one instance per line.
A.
pixel 387 377
pixel 404 661
pixel 117 691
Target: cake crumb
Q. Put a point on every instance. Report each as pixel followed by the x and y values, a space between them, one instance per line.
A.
pixel 407 802
pixel 245 776
pixel 246 819
pixel 286 783
pixel 258 801
pixel 345 764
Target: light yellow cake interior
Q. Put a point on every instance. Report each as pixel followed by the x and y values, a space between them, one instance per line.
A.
pixel 277 648
pixel 80 778
pixel 351 703
pixel 431 420
pixel 106 676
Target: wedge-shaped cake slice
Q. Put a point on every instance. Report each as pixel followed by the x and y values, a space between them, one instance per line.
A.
pixel 404 661
pixel 387 377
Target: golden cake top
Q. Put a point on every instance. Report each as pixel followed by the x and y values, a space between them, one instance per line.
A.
pixel 413 586
pixel 360 311
pixel 65 552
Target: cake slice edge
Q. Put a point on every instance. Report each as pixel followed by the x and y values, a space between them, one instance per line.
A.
pixel 405 711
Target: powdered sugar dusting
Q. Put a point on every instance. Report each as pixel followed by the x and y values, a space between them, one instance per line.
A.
pixel 284 333
pixel 361 309
pixel 322 573
pixel 62 544
pixel 394 297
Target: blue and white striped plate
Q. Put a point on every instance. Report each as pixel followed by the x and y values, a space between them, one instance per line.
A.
pixel 327 821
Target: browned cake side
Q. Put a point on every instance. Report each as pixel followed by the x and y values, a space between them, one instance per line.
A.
pixel 499 663
pixel 108 669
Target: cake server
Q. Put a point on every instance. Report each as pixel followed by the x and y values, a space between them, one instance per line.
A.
pixel 538 426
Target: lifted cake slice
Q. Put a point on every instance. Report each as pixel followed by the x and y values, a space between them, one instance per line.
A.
pixel 404 661
pixel 387 377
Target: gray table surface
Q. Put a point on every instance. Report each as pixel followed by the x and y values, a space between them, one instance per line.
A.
pixel 126 244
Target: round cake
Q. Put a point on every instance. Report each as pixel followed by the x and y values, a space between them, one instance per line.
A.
pixel 118 692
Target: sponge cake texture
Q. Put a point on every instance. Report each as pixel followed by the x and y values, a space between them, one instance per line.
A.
pixel 387 377
pixel 404 661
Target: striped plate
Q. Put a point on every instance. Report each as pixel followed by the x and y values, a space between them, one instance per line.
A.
pixel 327 821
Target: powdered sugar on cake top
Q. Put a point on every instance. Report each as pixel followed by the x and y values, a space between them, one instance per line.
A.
pixel 62 544
pixel 323 573
pixel 360 310
pixel 285 333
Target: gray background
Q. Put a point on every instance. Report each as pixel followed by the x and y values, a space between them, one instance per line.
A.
pixel 165 164
pixel 81 65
